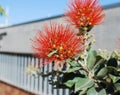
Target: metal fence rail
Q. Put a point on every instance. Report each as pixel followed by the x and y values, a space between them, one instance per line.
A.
pixel 13 70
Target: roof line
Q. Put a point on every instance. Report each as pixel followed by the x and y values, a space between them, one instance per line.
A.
pixel 111 6
pixel 33 21
pixel 106 7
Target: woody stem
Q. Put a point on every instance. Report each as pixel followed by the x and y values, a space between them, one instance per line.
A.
pixel 85 51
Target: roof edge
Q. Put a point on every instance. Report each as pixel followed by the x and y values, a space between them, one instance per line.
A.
pixel 106 7
pixel 114 5
pixel 33 21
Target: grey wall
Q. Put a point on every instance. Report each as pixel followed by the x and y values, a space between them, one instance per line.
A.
pixel 18 38
pixel 106 34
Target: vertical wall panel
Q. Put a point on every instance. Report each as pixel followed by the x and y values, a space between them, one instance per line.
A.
pixel 13 69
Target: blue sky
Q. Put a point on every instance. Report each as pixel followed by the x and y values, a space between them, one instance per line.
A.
pixel 28 10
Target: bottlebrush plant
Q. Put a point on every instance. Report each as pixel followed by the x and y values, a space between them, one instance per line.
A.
pixel 79 68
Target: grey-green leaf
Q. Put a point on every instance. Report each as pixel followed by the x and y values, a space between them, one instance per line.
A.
pixel 114 78
pixel 102 92
pixel 98 64
pixel 73 63
pixel 83 83
pixel 72 69
pixel 117 86
pixel 83 72
pixel 69 83
pixel 102 73
pixel 92 91
pixel 91 59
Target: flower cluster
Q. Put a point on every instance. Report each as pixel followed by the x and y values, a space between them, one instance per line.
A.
pixel 85 13
pixel 57 42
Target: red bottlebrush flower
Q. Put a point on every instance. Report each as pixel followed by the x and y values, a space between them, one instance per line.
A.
pixel 57 43
pixel 85 13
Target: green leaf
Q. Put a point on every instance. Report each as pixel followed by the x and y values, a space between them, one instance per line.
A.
pixel 92 91
pixel 51 53
pixel 2 12
pixel 116 54
pixel 114 78
pixel 83 72
pixel 102 73
pixel 83 84
pixel 73 63
pixel 98 64
pixel 102 92
pixel 118 69
pixel 117 86
pixel 69 83
pixel 72 69
pixel 91 59
pixel 82 92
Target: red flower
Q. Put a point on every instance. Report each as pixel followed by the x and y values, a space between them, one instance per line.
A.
pixel 57 42
pixel 85 13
